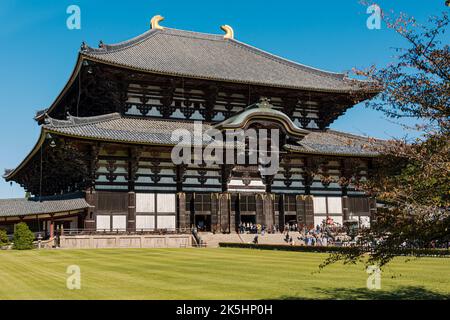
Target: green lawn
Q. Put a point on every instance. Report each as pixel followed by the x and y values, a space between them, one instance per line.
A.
pixel 222 273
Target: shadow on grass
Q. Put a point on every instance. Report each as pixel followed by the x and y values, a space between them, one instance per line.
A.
pixel 401 293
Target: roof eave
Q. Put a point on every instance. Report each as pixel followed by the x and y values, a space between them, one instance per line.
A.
pixel 335 154
pixel 9 176
pixel 255 83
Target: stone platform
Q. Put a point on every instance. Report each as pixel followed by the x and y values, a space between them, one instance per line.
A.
pixel 125 241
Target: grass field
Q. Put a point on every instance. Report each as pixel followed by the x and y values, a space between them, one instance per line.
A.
pixel 220 273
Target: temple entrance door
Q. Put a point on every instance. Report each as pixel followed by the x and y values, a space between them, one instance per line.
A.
pixel 247 209
pixel 248 223
pixel 291 221
pixel 203 222
pixel 202 211
pixel 248 219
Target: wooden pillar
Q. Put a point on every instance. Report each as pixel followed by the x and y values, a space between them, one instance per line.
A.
pixel 268 212
pixel 190 204
pixel 234 209
pixel 281 213
pixel 131 217
pixel 52 227
pixel 215 212
pixel 309 211
pixel 300 209
pixel 225 176
pixel 345 208
pixel 91 199
pixel 311 166
pixel 259 199
pixel 232 214
pixel 183 215
pixel 225 223
pixel 280 218
pixel 134 154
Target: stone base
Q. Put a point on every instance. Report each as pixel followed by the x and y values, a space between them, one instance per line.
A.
pixel 125 241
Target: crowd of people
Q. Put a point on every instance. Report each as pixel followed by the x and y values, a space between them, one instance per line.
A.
pixel 318 236
pixel 256 228
pixel 293 234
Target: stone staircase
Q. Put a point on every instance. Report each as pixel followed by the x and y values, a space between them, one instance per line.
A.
pixel 213 240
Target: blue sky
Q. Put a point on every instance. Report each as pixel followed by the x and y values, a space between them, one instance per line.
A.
pixel 38 51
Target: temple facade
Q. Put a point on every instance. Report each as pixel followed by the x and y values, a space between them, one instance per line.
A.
pixel 107 141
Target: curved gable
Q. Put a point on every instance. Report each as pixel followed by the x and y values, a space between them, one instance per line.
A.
pixel 262 111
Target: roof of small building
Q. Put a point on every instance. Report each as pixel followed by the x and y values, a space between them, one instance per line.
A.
pixel 32 206
pixel 212 57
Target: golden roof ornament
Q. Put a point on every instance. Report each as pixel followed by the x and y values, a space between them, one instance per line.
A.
pixel 229 32
pixel 155 22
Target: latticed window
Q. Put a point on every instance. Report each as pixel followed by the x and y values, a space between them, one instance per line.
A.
pixel 289 203
pixel 247 203
pixel 202 202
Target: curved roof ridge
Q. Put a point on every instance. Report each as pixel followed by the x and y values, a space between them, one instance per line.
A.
pixel 107 48
pixel 194 34
pixel 288 62
pixel 261 109
pixel 121 45
pixel 77 121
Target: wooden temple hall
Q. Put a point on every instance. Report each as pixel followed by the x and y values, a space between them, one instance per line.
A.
pixel 103 158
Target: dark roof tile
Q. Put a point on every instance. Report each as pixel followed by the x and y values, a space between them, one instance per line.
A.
pixel 114 127
pixel 207 56
pixel 32 206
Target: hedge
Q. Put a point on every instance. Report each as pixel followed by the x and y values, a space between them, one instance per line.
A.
pixel 3 238
pixel 23 237
pixel 331 249
pixel 284 247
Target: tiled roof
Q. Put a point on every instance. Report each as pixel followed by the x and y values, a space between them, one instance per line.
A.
pixel 206 56
pixel 32 206
pixel 114 127
pixel 332 142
